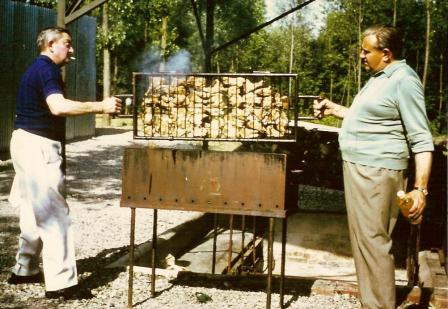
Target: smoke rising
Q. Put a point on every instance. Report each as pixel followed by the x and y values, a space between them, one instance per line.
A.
pixel 150 62
pixel 180 62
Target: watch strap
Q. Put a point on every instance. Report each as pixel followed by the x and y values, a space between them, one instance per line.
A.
pixel 423 190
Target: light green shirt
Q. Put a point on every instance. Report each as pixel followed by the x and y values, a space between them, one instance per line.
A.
pixel 386 120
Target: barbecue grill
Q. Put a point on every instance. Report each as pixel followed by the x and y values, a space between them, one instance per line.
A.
pixel 259 107
pixel 215 107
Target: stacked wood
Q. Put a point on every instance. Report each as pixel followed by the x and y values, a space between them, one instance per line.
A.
pixel 230 108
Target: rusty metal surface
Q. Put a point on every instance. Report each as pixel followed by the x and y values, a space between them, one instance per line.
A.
pixel 243 183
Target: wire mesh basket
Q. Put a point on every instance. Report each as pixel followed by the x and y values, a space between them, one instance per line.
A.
pixel 216 107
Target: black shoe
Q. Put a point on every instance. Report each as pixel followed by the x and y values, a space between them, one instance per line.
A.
pixel 15 279
pixel 73 292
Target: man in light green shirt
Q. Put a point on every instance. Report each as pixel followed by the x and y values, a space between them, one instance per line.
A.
pixel 386 122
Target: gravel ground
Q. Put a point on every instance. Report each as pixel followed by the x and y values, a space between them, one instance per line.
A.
pixel 102 235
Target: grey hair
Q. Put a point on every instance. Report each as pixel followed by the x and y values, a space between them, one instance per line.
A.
pixel 386 37
pixel 49 34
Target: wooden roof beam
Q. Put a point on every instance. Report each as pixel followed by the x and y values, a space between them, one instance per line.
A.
pixel 84 10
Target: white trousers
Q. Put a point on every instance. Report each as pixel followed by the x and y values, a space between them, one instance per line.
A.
pixel 38 190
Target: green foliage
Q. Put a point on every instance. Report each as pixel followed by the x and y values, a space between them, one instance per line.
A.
pixel 326 63
pixel 339 40
pixel 232 18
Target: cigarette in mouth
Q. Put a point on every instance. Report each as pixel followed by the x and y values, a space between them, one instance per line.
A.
pixel 72 58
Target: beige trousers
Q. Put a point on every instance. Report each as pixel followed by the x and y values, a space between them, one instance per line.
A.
pixel 370 195
pixel 38 190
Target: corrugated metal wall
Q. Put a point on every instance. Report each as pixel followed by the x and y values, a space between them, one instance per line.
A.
pixel 19 25
pixel 81 75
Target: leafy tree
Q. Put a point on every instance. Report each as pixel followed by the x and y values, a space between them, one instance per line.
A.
pixel 340 40
pixel 231 19
pixel 327 63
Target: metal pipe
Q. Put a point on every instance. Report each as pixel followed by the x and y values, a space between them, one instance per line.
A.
pixel 314 97
pixel 270 257
pixel 282 265
pixel 259 27
pixel 229 257
pixel 134 107
pixel 254 238
pixel 131 258
pixel 153 254
pixel 243 227
pixel 215 236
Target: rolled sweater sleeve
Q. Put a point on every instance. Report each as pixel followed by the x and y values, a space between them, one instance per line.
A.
pixel 410 98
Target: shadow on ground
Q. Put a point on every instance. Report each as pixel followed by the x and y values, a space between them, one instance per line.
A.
pixel 93 271
pixel 110 131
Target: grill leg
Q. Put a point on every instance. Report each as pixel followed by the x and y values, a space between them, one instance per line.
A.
pixel 131 259
pixel 282 266
pixel 254 238
pixel 243 235
pixel 270 257
pixel 153 254
pixel 229 256
pixel 215 236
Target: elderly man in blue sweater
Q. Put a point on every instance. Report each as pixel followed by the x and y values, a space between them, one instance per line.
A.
pixel 386 122
pixel 36 151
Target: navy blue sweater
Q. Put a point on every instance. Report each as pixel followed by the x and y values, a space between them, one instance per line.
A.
pixel 42 78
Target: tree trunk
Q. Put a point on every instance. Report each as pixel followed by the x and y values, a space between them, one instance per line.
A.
pixel 349 82
pixel 427 43
pixel 209 36
pixel 417 60
pixel 61 13
pixel 441 84
pixel 331 86
pixel 106 62
pixel 291 50
pixel 394 21
pixel 291 57
pixel 163 40
pixel 113 87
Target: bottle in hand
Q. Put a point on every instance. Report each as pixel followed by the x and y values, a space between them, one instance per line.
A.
pixel 405 203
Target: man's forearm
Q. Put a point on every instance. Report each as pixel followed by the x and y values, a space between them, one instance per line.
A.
pixel 326 107
pixel 338 110
pixel 61 106
pixel 423 163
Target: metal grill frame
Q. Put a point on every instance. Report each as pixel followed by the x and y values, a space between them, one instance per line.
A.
pixel 290 80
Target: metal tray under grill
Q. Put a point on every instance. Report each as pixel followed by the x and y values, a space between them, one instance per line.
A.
pixel 245 183
pixel 215 107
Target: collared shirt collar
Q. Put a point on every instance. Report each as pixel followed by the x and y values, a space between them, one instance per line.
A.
pixel 391 68
pixel 42 56
pixel 47 59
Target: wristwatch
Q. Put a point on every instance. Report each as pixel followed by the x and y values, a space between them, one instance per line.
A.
pixel 422 190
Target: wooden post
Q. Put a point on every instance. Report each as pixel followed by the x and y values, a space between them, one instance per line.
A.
pixel 61 13
pixel 61 23
pixel 106 63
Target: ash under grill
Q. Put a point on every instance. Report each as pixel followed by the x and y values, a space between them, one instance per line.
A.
pixel 231 107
